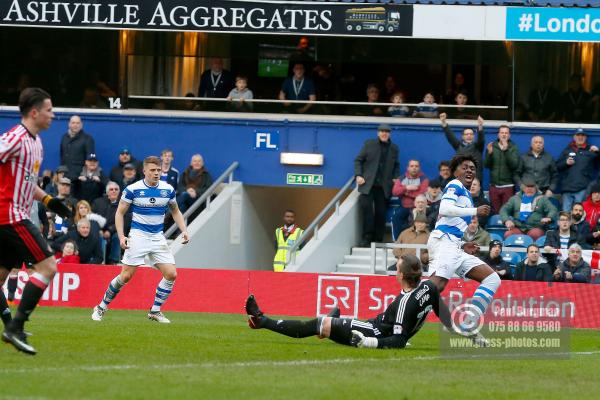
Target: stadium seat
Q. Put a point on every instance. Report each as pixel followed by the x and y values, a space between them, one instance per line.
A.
pixel 495 236
pixel 540 241
pixel 495 222
pixel 392 206
pixel 512 257
pixel 518 241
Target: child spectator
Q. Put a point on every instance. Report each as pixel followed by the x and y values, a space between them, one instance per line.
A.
pixel 68 254
pixel 427 108
pixel 239 94
pixel 399 110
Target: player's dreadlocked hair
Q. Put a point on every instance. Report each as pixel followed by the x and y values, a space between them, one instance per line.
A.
pixel 459 159
pixel 411 269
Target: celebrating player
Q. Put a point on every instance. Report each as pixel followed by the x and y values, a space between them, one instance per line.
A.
pixel 21 154
pixel 391 329
pixel 149 199
pixel 445 254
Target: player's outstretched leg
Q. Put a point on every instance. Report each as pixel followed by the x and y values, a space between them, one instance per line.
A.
pixel 291 328
pixel 114 287
pixel 163 291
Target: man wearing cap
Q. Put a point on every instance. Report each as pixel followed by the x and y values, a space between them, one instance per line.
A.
pixel 64 193
pixel 75 145
pixel 528 211
pixel 494 260
pixel 576 165
pixel 125 157
pixel 375 167
pixel 90 184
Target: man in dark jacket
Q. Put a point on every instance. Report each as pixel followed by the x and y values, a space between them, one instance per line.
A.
pixel 538 165
pixel 88 242
pixel 561 238
pixel 89 185
pixel 216 81
pixel 502 159
pixel 167 172
pixel 534 267
pixel 125 157
pixel 467 144
pixel 194 181
pixel 494 260
pixel 578 220
pixel 75 145
pixel 577 164
pixel 375 167
pixel 106 206
pixel 573 269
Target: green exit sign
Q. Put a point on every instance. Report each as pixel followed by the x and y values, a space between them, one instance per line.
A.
pixel 305 179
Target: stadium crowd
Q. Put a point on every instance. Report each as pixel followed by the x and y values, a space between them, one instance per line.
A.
pixel 528 210
pixel 93 193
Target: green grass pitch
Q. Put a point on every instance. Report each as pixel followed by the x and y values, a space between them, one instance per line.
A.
pixel 216 356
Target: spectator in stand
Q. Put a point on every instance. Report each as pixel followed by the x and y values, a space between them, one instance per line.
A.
pixel 107 208
pixel 577 166
pixel 398 110
pixel 193 183
pixel 593 238
pixel 75 146
pixel 372 97
pixel 445 176
pixel 578 220
pixel 533 267
pixel 494 260
pixel 129 176
pixel 298 87
pixel 125 157
pixel 502 159
pixel 68 253
pixel 434 199
pixel 428 108
pixel 408 187
pixel 90 183
pixel 52 187
pixel 591 206
pixel 475 233
pixel 301 55
pixel 84 210
pixel 538 165
pixel 573 269
pixel 326 88
pixel 239 95
pixel 90 250
pixel 91 99
pixel 467 144
pixel 215 82
pixel 576 102
pixel 167 172
pixel 561 238
pixel 64 193
pixel 418 233
pixel 375 167
pixel 544 101
pixel 420 209
pixel 479 200
pixel 461 112
pixel 458 86
pixel 528 211
pixel 390 88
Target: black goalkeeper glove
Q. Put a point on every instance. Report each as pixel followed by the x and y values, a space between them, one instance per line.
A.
pixel 57 206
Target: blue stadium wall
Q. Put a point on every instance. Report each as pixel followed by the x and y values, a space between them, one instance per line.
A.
pixel 222 141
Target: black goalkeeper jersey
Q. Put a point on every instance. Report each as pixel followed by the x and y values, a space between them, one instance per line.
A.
pixel 407 313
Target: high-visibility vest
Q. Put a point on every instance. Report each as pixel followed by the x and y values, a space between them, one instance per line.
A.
pixel 283 246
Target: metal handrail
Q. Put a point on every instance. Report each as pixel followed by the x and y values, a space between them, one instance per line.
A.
pixel 330 102
pixel 205 197
pixel 314 225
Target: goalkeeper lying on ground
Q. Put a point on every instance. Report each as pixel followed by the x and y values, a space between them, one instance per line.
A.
pixel 391 329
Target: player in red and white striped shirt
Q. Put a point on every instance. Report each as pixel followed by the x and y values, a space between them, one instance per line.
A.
pixel 21 241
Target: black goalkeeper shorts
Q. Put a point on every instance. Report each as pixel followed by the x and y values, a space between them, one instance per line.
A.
pixel 341 329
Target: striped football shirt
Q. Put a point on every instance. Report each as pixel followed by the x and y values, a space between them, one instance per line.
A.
pixel 148 205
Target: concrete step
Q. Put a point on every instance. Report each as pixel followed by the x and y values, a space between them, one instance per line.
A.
pixel 366 251
pixel 366 260
pixel 354 269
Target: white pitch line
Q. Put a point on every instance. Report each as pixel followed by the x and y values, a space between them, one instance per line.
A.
pixel 289 363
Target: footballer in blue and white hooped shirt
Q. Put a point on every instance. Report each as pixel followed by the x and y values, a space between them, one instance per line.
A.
pixel 448 255
pixel 149 200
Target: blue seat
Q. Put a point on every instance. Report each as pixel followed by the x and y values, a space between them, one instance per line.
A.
pixel 495 222
pixel 512 257
pixel 518 241
pixel 540 241
pixel 495 236
pixel 496 231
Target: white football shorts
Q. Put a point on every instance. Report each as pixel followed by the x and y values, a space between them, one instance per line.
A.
pixel 446 257
pixel 153 248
